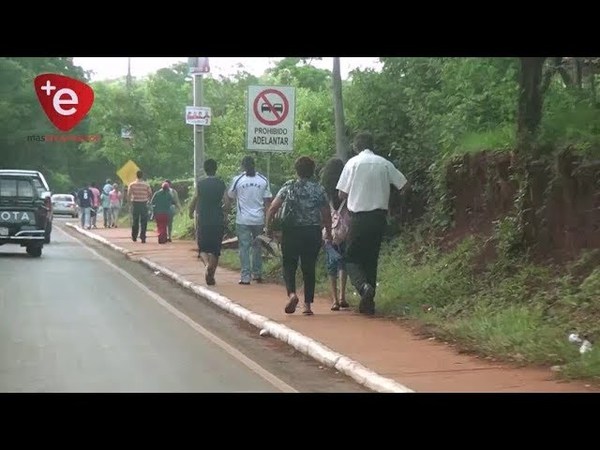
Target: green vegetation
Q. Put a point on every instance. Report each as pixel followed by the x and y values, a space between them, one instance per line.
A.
pixel 431 115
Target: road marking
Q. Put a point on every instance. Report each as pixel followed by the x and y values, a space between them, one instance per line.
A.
pixel 252 365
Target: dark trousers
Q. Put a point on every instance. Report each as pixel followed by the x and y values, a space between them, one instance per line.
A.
pixel 139 220
pixel 363 245
pixel 301 243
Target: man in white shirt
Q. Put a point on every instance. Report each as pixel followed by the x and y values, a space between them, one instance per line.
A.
pixel 252 193
pixel 366 182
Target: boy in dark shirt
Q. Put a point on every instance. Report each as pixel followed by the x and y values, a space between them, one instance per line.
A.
pixel 84 198
pixel 210 204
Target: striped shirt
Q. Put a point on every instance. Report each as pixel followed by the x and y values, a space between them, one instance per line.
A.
pixel 139 191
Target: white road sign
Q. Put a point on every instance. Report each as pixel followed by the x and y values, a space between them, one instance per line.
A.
pixel 198 65
pixel 271 118
pixel 197 115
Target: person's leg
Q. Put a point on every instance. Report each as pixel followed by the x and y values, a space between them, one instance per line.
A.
pixel 143 221
pixel 115 216
pixel 94 216
pixel 170 225
pixel 244 243
pixel 82 217
pixel 212 237
pixel 135 221
pixel 372 258
pixel 161 226
pixel 86 213
pixel 364 242
pixel 309 252
pixel 331 267
pixel 256 253
pixel 289 256
pixel 357 244
pixel 343 277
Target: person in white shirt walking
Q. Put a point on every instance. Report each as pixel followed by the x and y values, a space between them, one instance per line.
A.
pixel 365 183
pixel 252 193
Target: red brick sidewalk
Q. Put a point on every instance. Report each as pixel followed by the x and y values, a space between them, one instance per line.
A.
pixel 382 345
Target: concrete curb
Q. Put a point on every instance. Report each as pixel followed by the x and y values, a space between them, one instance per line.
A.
pixel 303 344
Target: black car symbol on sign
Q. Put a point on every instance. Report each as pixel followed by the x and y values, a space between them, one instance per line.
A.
pixel 276 106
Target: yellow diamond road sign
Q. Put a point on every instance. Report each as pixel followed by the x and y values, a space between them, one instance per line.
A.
pixel 128 173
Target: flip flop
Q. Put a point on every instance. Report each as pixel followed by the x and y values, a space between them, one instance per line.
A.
pixel 290 308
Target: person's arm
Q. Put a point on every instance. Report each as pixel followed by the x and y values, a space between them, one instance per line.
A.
pixel 176 201
pixel 193 204
pixel 397 178
pixel 226 203
pixel 326 216
pixel 268 196
pixel 275 205
pixel 344 183
pixel 231 191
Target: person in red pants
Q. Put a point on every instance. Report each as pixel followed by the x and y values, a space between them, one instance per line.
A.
pixel 161 206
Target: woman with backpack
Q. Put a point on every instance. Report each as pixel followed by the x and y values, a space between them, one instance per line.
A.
pixel 304 209
pixel 340 221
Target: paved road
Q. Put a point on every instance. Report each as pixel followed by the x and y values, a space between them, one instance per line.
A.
pixel 71 321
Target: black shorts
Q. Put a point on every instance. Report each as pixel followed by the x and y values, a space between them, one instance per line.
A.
pixel 210 238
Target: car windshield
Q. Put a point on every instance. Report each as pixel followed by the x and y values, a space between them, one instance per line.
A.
pixel 14 187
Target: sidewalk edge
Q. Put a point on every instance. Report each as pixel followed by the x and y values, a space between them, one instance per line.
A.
pixel 306 345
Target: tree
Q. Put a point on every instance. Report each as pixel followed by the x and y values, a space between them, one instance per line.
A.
pixel 341 140
pixel 530 102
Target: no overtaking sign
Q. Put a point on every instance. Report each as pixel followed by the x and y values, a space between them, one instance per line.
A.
pixel 271 114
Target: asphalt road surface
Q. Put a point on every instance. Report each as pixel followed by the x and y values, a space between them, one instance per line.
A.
pixel 84 319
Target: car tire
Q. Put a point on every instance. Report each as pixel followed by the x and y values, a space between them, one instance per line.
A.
pixel 34 250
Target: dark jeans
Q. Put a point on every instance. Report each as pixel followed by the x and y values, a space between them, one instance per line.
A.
pixel 301 243
pixel 139 220
pixel 363 245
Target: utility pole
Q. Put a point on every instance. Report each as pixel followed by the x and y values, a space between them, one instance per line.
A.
pixel 198 67
pixel 341 140
pixel 128 74
pixel 198 129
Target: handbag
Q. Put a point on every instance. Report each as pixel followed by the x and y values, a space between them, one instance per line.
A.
pixel 286 215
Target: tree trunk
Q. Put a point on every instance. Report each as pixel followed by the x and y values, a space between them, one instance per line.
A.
pixel 593 87
pixel 579 73
pixel 531 99
pixel 341 141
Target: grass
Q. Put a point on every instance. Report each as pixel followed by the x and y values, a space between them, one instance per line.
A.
pixel 510 310
pixel 503 138
pixel 516 312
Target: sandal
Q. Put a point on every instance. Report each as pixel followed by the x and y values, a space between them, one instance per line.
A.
pixel 335 306
pixel 290 308
pixel 344 304
pixel 307 311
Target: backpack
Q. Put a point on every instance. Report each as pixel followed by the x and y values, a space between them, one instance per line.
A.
pixel 340 223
